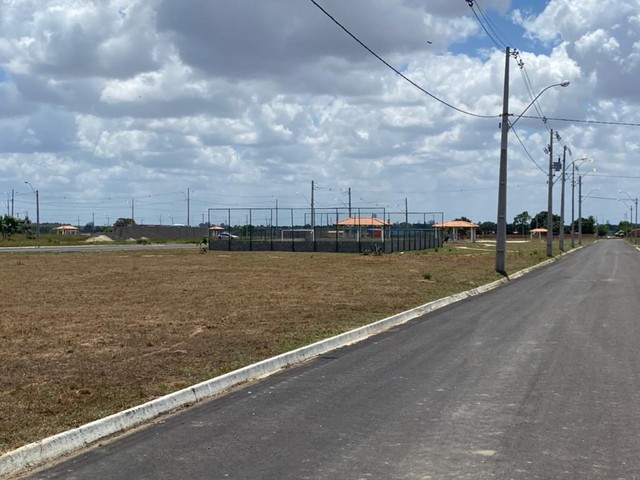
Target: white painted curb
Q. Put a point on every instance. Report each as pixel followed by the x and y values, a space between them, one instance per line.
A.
pixel 37 453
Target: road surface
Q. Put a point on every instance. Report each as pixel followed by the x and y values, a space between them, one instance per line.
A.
pixel 537 379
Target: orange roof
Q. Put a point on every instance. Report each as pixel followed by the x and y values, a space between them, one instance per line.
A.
pixel 539 230
pixel 66 227
pixel 361 222
pixel 456 224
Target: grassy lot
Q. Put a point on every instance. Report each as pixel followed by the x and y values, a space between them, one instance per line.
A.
pixel 85 335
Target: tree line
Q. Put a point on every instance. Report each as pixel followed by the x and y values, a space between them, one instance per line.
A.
pixel 523 223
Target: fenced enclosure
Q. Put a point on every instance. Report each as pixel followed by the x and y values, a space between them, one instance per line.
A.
pixel 358 230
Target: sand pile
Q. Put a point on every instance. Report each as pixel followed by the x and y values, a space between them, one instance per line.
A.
pixel 99 238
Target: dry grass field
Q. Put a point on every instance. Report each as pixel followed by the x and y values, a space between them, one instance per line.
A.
pixel 85 335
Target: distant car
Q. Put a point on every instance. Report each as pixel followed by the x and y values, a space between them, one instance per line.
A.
pixel 226 235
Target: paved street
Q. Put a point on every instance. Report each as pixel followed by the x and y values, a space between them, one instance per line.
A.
pixel 537 379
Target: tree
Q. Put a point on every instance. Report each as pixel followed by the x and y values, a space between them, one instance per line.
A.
pixel 488 227
pixel 540 221
pixel 623 226
pixel 11 226
pixel 603 230
pixel 521 222
pixel 123 222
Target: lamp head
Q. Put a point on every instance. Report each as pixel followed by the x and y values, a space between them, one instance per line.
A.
pixel 565 83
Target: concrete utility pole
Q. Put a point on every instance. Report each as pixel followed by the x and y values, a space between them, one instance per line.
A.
pixel 313 216
pixel 635 224
pixel 550 200
pixel 580 209
pixel 37 211
pixel 564 171
pixel 573 199
pixel 501 229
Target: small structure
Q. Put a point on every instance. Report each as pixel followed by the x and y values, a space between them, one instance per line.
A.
pixel 215 230
pixel 373 225
pixel 67 230
pixel 537 232
pixel 455 226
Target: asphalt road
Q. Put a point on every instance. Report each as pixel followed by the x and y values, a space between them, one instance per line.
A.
pixel 537 379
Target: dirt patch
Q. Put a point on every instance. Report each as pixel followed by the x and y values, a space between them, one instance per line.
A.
pixel 85 335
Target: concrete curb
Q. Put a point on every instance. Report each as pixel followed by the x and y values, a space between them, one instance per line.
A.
pixel 37 453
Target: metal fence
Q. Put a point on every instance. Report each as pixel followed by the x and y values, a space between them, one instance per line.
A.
pixel 357 230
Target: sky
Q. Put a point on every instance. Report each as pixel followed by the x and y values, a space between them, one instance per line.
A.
pixel 173 110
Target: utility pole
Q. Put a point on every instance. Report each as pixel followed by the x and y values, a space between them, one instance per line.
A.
pixel 550 200
pixel 635 227
pixel 313 216
pixel 38 216
pixel 349 202
pixel 188 212
pixel 37 212
pixel 132 217
pixel 501 232
pixel 406 213
pixel 573 198
pixel 579 209
pixel 561 232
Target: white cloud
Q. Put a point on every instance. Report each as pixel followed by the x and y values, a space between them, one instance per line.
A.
pixel 243 104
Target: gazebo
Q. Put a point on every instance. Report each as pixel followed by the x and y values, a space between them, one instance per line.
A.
pixel 375 225
pixel 215 230
pixel 66 230
pixel 456 225
pixel 538 232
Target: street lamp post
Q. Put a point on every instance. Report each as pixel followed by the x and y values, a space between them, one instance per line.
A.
pixel 580 200
pixel 501 232
pixel 550 195
pixel 575 166
pixel 37 211
pixel 635 224
pixel 564 174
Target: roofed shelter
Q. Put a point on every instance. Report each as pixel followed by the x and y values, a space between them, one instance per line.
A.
pixel 67 230
pixel 456 225
pixel 538 232
pixel 371 223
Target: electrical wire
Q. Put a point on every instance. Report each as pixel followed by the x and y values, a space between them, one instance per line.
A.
pixel 395 70
pixel 574 120
pixel 527 152
pixel 500 39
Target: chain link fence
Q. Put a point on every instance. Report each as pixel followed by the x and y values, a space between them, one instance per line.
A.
pixel 356 230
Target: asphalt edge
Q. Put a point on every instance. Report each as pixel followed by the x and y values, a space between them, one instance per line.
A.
pixel 37 453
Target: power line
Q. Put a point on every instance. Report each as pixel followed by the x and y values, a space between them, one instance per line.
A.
pixel 395 69
pixel 574 120
pixel 527 152
pixel 500 39
pixel 612 176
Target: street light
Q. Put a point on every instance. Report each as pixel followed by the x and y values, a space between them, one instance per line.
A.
pixel 37 211
pixel 501 233
pixel 575 166
pixel 635 226
pixel 580 200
